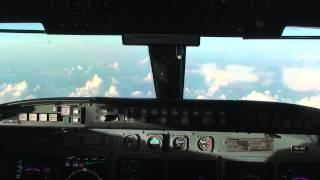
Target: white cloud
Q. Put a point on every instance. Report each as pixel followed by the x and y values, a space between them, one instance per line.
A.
pixel 148 77
pixel 29 97
pixel 71 70
pixel 266 78
pixel 141 94
pixel 258 96
pixel 201 97
pixel 114 81
pixel 302 79
pixel 307 57
pixel 149 94
pixel 88 69
pixel 216 78
pixel 112 91
pixel 14 90
pixel 80 68
pixel 67 70
pixel 203 94
pixel 144 61
pixel 115 66
pixel 313 101
pixel 90 88
pixel 221 97
pixel 37 88
pixel 136 94
pixel 187 90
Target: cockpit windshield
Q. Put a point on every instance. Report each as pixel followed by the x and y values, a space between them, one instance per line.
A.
pixel 41 66
pixel 283 70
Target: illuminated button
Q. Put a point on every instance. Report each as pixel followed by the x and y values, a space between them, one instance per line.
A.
pixel 65 110
pixel 75 119
pixel 54 109
pixel 104 111
pixel 53 117
pixel 33 117
pixel 43 117
pixel 75 111
pixel 23 117
pixel 103 118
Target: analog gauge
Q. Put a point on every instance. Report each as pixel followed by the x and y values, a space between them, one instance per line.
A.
pixel 155 143
pixel 131 142
pixel 180 143
pixel 205 144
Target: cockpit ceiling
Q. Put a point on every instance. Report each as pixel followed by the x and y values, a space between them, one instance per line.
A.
pixel 246 18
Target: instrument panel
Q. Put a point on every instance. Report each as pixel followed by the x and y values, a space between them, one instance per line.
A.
pixel 102 139
pixel 100 154
pixel 221 116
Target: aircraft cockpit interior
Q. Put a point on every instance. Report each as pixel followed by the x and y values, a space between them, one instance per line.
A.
pixel 159 90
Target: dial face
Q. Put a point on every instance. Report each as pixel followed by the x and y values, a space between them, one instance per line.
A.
pixel 180 143
pixel 205 144
pixel 155 143
pixel 131 142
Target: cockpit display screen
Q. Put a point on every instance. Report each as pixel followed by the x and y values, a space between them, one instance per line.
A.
pixel 85 168
pixel 30 168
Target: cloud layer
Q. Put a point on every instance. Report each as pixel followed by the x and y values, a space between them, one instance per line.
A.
pixel 148 77
pixel 313 101
pixel 115 66
pixel 12 92
pixel 302 79
pixel 260 96
pixel 90 88
pixel 112 91
pixel 216 78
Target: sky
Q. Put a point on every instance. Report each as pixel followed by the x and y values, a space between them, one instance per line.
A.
pixel 40 65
